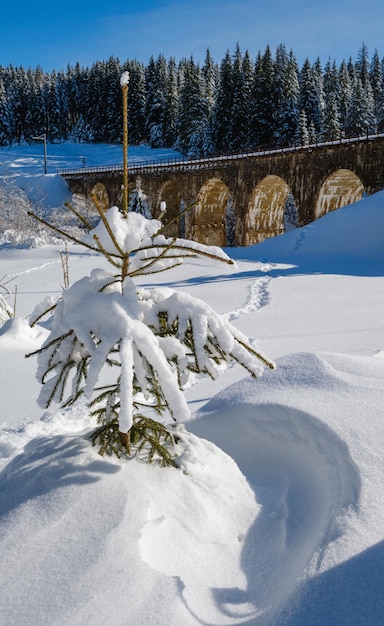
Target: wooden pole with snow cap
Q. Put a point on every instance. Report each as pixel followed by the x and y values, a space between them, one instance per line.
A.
pixel 124 82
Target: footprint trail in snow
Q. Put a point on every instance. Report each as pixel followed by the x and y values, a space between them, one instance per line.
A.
pixel 258 296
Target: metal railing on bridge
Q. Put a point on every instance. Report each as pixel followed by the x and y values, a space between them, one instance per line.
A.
pixel 185 163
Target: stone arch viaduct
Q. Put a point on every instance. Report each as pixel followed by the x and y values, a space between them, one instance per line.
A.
pixel 255 188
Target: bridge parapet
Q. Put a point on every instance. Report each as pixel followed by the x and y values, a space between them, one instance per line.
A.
pixel 188 164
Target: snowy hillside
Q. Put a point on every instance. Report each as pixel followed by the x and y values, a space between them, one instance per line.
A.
pixel 277 519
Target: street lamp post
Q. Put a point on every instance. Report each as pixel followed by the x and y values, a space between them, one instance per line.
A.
pixel 124 82
pixel 43 138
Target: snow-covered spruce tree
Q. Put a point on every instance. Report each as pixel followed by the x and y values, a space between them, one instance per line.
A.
pixel 130 350
pixel 138 201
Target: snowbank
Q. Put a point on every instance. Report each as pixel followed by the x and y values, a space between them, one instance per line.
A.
pixel 91 541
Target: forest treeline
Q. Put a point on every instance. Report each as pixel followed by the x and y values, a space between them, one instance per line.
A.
pixel 198 109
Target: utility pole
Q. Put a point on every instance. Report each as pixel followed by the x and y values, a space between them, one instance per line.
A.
pixel 124 82
pixel 43 138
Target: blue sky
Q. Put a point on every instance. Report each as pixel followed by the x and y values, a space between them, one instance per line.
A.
pixel 53 34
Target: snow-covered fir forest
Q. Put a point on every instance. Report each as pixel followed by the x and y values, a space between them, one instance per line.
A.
pixel 198 109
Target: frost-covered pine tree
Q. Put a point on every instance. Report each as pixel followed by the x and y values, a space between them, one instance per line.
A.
pixel 138 201
pixel 289 114
pixel 380 114
pixel 222 109
pixel 291 218
pixel 156 101
pixel 230 223
pixel 264 100
pixel 130 350
pixel 376 80
pixel 331 125
pixel 193 115
pixel 5 124
pixel 360 118
pixel 137 104
pixel 238 132
pixel 311 99
pixel 302 135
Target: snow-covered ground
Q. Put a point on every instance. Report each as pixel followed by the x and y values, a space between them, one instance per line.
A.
pixel 278 518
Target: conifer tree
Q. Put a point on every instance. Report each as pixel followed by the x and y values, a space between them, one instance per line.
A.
pixel 351 67
pixel 156 105
pixel 151 341
pixel 192 120
pixel 362 66
pixel 380 114
pixel 291 218
pixel 210 74
pixel 92 113
pixel 237 135
pixel 51 109
pixel 138 201
pixel 377 82
pixel 34 120
pixel 19 90
pixel 5 121
pixel 311 99
pixel 331 79
pixel 280 71
pixel 360 118
pixel 331 124
pixel 223 106
pixel 302 136
pixel 137 102
pixel 289 112
pixel 344 94
pixel 112 103
pixel 76 89
pixel 264 100
pixel 247 85
pixel 172 104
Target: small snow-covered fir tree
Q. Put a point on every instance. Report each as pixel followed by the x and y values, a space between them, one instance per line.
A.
pixel 130 350
pixel 138 201
pixel 230 222
pixel 291 218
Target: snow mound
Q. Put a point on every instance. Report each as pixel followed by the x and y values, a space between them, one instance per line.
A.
pixel 16 331
pixel 311 471
pixel 80 534
pixel 49 191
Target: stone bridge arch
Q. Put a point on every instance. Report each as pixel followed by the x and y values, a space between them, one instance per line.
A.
pixel 265 212
pixel 339 189
pixel 208 221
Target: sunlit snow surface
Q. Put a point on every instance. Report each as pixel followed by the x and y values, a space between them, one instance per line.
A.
pixel 277 519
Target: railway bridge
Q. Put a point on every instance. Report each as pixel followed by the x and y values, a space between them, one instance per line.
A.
pixel 248 196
